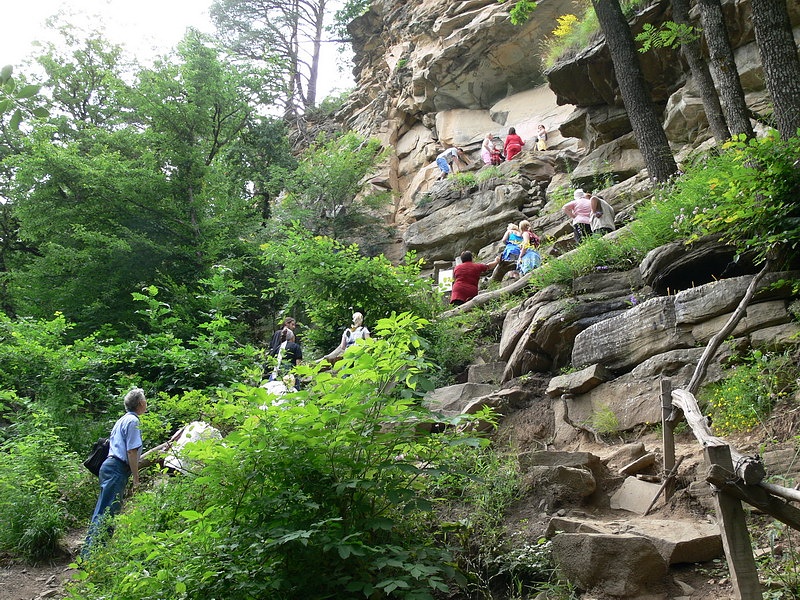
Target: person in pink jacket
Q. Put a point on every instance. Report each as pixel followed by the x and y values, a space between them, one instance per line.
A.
pixel 580 211
pixel 513 144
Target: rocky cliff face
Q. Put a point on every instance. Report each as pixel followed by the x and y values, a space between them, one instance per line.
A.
pixel 438 74
pixel 435 74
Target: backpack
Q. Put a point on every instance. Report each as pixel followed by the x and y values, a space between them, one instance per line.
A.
pixel 351 336
pixel 275 343
pixel 97 456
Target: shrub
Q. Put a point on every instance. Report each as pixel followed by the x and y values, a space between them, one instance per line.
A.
pixel 745 397
pixel 327 281
pixel 463 181
pixel 315 497
pixel 747 194
pixel 43 490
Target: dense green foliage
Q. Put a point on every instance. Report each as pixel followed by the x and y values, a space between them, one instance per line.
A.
pixel 43 489
pixel 139 188
pixel 751 388
pixel 327 280
pixel 322 191
pixel 320 493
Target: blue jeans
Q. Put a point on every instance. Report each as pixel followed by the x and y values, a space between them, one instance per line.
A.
pixel 113 480
pixel 443 165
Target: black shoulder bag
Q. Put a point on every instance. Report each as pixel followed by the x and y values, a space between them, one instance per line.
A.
pixel 96 457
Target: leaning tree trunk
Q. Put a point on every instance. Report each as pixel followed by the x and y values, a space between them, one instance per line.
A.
pixel 646 125
pixel 779 59
pixel 702 76
pixel 729 85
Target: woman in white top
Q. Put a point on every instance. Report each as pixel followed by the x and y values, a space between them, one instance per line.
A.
pixel 355 332
pixel 490 153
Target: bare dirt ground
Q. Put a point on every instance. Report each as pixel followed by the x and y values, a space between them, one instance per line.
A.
pixel 24 582
pixel 21 581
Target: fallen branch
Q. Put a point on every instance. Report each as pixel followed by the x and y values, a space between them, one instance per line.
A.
pixel 749 469
pixel 482 299
pixel 670 476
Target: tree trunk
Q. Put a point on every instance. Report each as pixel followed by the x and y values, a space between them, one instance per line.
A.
pixel 313 75
pixel 646 124
pixel 702 76
pixel 724 67
pixel 779 59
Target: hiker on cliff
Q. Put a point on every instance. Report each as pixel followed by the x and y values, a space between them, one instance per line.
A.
pixel 466 277
pixel 350 335
pixel 513 144
pixel 490 153
pixel 580 211
pixel 448 161
pixel 512 240
pixel 602 216
pixel 541 138
pixel 529 258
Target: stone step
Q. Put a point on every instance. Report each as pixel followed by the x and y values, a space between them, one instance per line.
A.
pixel 677 541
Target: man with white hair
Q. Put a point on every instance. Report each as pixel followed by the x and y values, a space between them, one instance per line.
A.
pixel 580 211
pixel 124 460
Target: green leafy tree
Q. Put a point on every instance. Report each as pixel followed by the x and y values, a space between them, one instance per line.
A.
pixel 324 191
pixel 140 194
pixel 85 79
pixel 286 36
pixel 328 280
pixel 18 101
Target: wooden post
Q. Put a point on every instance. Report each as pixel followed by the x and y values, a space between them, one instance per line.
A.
pixel 733 528
pixel 667 435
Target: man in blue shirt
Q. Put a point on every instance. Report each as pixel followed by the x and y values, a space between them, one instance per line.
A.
pixel 124 453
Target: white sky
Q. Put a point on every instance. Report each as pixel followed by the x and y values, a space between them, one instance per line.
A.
pixel 145 27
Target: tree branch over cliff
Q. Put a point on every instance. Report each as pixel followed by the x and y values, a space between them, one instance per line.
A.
pixel 482 299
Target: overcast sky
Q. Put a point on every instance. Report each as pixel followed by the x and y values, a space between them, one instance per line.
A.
pixel 145 27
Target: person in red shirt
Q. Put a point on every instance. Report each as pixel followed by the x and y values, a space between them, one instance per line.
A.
pixel 513 145
pixel 466 277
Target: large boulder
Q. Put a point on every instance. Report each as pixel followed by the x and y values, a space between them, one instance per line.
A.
pixel 470 223
pixel 623 341
pixel 678 542
pixel 617 159
pixel 620 566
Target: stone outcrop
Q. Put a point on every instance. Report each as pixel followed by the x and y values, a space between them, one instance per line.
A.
pixel 436 74
pixel 622 565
